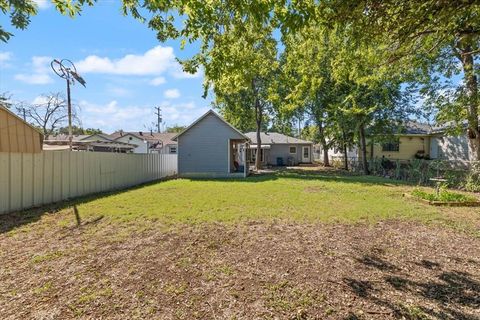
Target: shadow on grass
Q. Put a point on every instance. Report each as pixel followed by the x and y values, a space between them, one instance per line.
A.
pixel 10 221
pixel 449 290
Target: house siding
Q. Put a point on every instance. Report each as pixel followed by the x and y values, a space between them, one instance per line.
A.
pixel 409 146
pixel 203 149
pixel 141 146
pixel 449 148
pixel 283 151
pixel 18 136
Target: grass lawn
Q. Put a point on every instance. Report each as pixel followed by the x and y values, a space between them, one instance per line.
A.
pixel 291 245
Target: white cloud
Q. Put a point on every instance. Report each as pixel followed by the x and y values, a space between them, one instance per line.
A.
pixel 112 116
pixel 42 4
pixel 178 73
pixel 40 100
pixel 171 93
pixel 119 91
pixel 158 81
pixel 181 113
pixel 153 62
pixel 5 56
pixel 33 78
pixel 40 71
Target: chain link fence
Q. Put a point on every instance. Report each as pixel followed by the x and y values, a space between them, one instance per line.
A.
pixel 459 174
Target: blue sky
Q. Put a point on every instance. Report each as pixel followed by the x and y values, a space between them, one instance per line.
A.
pixel 127 70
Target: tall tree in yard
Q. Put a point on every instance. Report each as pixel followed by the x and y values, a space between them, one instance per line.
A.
pixel 438 39
pixel 242 82
pixel 307 66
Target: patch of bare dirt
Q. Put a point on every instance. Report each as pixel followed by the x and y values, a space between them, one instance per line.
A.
pixel 248 271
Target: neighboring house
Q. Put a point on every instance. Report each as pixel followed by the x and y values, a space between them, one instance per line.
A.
pixel 163 143
pixel 334 153
pixel 412 142
pixel 211 147
pixel 147 142
pixel 95 142
pixel 16 135
pixel 448 147
pixel 279 149
pixel 422 141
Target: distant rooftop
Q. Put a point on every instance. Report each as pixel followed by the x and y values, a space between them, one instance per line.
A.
pixel 165 137
pixel 414 127
pixel 274 138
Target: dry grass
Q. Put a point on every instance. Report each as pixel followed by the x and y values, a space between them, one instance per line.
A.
pixel 294 252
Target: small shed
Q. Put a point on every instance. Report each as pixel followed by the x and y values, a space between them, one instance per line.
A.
pixel 16 135
pixel 212 148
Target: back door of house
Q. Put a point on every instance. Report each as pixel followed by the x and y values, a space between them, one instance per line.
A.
pixel 306 154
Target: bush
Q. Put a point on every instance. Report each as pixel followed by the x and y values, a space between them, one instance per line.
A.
pixel 443 195
pixel 472 181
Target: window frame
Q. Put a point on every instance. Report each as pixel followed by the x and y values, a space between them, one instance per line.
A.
pixel 290 149
pixel 392 146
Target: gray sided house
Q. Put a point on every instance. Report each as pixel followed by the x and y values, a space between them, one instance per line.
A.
pixel 444 146
pixel 211 147
pixel 278 149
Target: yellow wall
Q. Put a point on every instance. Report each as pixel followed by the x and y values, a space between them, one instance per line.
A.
pixel 16 135
pixel 409 145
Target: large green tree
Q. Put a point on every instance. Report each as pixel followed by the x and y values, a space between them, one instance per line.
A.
pixel 243 80
pixel 439 39
pixel 308 70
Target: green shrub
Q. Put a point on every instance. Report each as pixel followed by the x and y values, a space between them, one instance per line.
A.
pixel 444 195
pixel 472 181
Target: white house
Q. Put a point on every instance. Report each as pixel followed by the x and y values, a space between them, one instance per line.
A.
pixel 147 142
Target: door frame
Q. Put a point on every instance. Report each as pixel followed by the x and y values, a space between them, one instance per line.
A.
pixel 309 158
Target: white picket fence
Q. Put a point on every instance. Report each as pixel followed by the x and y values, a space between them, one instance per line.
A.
pixel 33 179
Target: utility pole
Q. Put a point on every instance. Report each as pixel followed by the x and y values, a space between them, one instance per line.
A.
pixel 66 69
pixel 158 112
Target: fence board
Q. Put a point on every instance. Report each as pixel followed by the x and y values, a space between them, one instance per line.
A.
pixel 28 180
pixel 4 184
pixel 16 175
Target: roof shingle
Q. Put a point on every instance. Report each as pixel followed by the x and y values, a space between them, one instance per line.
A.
pixel 275 138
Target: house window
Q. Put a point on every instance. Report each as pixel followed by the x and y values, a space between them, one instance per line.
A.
pixel 293 150
pixel 173 149
pixel 391 146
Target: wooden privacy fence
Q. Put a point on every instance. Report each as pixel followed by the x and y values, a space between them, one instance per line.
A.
pixel 33 179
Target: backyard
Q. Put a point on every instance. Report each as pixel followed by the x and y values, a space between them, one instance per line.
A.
pixel 296 244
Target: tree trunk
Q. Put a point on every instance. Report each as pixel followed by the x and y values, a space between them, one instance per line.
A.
pixel 363 146
pixel 323 143
pixel 471 85
pixel 258 121
pixel 345 150
pixel 326 162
